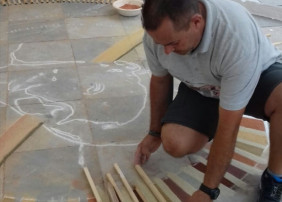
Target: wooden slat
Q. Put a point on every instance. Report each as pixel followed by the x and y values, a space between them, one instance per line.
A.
pixel 113 183
pixel 165 190
pixel 144 192
pixel 111 192
pixel 92 185
pixel 121 47
pixel 185 186
pixel 149 183
pixel 17 134
pixel 200 176
pixel 126 184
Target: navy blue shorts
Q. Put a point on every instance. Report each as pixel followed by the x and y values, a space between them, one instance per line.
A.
pixel 191 109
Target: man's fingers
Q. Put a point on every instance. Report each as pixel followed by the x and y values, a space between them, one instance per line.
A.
pixel 137 158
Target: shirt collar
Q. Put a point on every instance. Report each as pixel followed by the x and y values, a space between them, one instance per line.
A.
pixel 208 32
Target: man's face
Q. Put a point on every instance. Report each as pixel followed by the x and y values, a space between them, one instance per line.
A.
pixel 180 42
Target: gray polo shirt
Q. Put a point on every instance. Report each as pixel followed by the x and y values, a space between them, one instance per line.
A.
pixel 228 61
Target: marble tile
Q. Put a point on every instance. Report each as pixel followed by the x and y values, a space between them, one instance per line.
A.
pixel 53 174
pixel 1 181
pixel 3 57
pixel 109 92
pixel 3 32
pixel 43 86
pixel 32 12
pixel 276 35
pixel 267 22
pixel 272 2
pixel 2 120
pixel 75 10
pixel 88 49
pixel 3 89
pixel 3 13
pixel 35 31
pixel 131 24
pixel 119 79
pixel 90 27
pixel 65 124
pixel 118 119
pixel 140 51
pixel 41 55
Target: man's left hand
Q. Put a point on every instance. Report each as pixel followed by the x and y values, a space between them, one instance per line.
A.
pixel 199 196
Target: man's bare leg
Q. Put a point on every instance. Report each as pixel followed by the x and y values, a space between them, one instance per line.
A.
pixel 179 140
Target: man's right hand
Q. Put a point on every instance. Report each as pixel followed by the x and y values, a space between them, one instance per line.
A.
pixel 147 146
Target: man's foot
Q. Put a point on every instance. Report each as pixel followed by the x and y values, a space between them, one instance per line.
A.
pixel 270 190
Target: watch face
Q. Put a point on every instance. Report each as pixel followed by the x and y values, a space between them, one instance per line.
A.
pixel 214 193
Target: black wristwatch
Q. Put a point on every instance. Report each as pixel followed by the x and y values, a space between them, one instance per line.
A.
pixel 213 193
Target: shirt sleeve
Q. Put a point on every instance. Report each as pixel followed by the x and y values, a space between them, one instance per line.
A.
pixel 239 78
pixel 151 50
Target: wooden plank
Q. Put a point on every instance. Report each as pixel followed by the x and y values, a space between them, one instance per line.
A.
pixel 8 199
pixel 149 183
pixel 126 184
pixel 111 192
pixel 200 176
pixel 92 185
pixel 113 183
pixel 238 182
pixel 252 135
pixel 144 192
pixel 165 190
pixel 25 199
pixel 250 147
pixel 185 186
pixel 17 134
pixel 121 47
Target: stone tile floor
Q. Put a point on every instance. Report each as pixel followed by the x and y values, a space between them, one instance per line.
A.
pixel 94 114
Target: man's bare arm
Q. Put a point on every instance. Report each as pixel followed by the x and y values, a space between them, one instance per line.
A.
pixel 160 97
pixel 222 148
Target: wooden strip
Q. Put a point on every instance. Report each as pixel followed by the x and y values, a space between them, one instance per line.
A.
pixel 149 183
pixel 17 134
pixel 252 135
pixel 111 180
pixel 121 47
pixel 165 190
pixel 28 200
pixel 73 200
pixel 277 43
pixel 250 147
pixel 251 156
pixel 8 199
pixel 111 192
pixel 145 193
pixel 92 185
pixel 192 171
pixel 3 2
pixel 125 182
pixel 256 124
pixel 200 177
pixel 188 188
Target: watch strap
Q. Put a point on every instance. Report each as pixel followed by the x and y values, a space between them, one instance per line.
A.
pixel 154 133
pixel 213 193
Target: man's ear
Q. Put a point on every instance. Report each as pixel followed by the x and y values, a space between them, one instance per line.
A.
pixel 196 20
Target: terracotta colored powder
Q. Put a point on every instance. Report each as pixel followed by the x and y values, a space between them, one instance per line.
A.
pixel 130 6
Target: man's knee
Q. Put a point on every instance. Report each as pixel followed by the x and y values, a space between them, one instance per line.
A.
pixel 274 101
pixel 179 140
